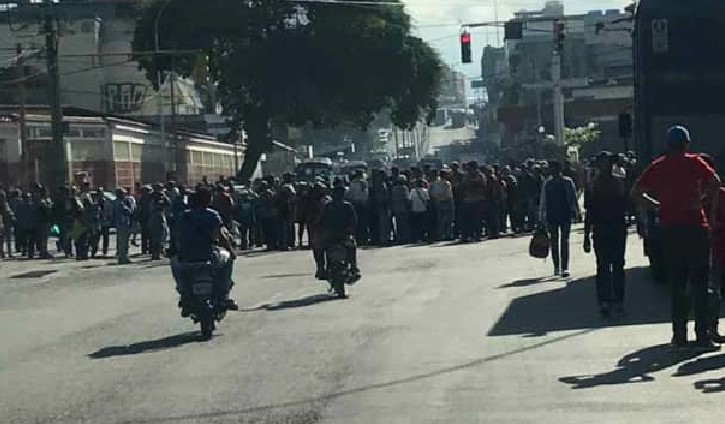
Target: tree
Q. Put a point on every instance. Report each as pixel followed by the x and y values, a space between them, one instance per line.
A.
pixel 581 136
pixel 327 64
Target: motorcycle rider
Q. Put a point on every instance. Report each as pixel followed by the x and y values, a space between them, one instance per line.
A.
pixel 200 232
pixel 339 223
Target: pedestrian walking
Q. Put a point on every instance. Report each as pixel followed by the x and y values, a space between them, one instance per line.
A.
pixel 606 202
pixel 675 184
pixel 558 209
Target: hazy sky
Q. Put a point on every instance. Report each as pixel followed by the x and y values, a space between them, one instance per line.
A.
pixel 438 22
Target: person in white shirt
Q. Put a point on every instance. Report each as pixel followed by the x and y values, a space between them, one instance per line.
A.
pixel 441 193
pixel 419 199
pixel 358 195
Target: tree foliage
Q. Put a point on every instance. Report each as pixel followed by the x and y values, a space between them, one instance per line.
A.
pixel 581 136
pixel 273 59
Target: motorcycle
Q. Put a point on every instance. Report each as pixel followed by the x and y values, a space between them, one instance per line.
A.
pixel 207 303
pixel 340 273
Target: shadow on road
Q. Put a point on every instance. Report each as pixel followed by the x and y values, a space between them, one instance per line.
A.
pixel 635 367
pixel 574 307
pixel 715 385
pixel 291 304
pixel 522 283
pixel 301 274
pixel 701 365
pixel 169 342
pixel 204 417
pixel 34 274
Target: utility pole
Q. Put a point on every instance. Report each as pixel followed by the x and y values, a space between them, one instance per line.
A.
pixel 174 139
pixel 24 157
pixel 56 112
pixel 558 100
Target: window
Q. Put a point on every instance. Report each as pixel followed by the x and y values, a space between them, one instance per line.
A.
pixel 196 157
pixel 136 152
pixel 94 132
pixel 120 150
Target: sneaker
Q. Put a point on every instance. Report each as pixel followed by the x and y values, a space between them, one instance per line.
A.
pixel 706 345
pixel 566 273
pixel 232 305
pixel 557 272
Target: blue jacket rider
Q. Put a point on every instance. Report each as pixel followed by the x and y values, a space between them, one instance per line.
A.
pixel 200 233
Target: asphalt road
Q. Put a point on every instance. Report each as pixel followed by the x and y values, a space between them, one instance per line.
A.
pixel 433 334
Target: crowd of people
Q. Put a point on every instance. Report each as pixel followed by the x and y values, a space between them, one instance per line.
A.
pixel 466 202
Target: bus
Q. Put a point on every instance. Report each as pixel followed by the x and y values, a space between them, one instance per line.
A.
pixel 679 75
pixel 679 80
pixel 348 169
pixel 311 169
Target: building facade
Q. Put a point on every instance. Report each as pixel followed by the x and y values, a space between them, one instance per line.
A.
pixel 109 152
pixel 596 67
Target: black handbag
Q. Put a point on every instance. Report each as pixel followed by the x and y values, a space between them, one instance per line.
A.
pixel 539 245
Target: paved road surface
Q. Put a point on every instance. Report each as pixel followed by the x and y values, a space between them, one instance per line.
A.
pixel 433 334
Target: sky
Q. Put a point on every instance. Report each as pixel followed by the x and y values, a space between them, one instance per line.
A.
pixel 439 22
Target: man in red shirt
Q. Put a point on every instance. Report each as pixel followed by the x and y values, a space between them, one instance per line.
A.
pixel 674 184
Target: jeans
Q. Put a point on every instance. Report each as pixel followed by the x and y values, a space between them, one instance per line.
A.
pixel 471 222
pixel 101 237
pixel 122 235
pixel 402 227
pixel 493 219
pixel 418 225
pixel 362 233
pixel 270 228
pixel 145 236
pixel 246 234
pixel 41 239
pixel 531 212
pixel 687 251
pixel 82 243
pixel 610 241
pixel 559 235
pixel 444 217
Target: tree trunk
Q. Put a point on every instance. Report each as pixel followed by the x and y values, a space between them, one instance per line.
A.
pixel 256 124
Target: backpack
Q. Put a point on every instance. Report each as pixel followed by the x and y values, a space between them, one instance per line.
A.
pixel 539 245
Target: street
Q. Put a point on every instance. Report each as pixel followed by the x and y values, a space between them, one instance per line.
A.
pixel 441 333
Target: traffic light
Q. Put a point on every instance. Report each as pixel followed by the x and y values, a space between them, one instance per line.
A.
pixel 466 47
pixel 513 31
pixel 559 34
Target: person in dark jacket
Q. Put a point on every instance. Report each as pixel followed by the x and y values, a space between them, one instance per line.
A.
pixel 6 224
pixel 558 209
pixel 606 202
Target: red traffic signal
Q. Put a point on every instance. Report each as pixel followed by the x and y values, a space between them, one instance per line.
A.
pixel 466 47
